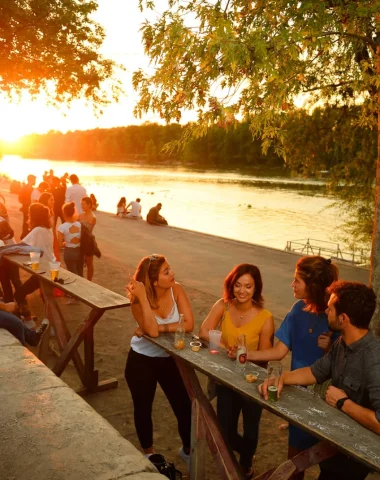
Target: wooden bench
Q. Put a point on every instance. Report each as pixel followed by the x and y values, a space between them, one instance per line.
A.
pixel 337 431
pixel 95 296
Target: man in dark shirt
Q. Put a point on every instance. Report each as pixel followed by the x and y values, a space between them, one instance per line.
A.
pixel 24 199
pixel 353 364
pixel 154 217
pixel 59 191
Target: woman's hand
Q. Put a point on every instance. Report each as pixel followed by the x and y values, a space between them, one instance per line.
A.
pixel 137 289
pixel 138 332
pixel 324 341
pixel 232 352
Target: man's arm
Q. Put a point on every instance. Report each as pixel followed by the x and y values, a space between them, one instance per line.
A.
pixel 364 416
pixel 301 376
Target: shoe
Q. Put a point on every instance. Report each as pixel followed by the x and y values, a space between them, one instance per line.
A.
pixel 185 457
pixel 42 329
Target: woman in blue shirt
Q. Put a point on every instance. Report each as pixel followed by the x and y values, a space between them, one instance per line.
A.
pixel 304 331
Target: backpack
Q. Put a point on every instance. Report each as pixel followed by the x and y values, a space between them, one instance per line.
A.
pixel 165 468
pixel 88 245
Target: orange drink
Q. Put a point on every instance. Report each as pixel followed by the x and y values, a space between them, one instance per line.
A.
pixel 54 270
pixel 35 265
pixel 179 344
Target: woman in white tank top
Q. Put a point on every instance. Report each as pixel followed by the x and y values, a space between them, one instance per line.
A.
pixel 157 300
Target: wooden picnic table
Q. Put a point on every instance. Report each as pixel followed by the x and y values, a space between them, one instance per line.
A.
pixel 95 296
pixel 299 406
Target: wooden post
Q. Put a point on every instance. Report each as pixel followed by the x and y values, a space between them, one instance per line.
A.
pixel 198 442
pixel 225 460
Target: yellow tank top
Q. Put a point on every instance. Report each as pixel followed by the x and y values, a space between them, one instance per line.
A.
pixel 251 330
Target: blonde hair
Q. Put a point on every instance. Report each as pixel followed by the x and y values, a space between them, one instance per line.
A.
pixel 147 273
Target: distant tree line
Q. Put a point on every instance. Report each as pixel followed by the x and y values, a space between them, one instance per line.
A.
pixel 144 143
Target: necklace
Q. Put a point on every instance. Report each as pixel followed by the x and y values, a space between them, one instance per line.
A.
pixel 246 311
pixel 311 327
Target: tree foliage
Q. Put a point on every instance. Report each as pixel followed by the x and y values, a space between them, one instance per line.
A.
pixel 229 58
pixel 53 46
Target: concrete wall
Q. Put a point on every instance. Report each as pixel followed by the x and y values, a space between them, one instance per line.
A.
pixel 47 432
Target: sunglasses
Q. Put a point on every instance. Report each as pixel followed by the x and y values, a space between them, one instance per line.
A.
pixel 152 257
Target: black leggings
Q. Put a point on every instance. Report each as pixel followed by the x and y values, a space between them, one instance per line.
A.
pixel 229 406
pixel 142 374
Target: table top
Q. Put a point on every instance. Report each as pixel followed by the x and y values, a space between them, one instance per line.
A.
pixel 297 405
pixel 78 287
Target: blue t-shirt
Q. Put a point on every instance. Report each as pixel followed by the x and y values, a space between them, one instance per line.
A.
pixel 294 333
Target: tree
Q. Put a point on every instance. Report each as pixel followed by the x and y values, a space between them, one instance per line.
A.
pixel 226 58
pixel 54 47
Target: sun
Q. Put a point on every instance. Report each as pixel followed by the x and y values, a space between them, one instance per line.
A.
pixel 9 133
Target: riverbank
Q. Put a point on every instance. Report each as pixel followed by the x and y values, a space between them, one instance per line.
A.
pixel 201 263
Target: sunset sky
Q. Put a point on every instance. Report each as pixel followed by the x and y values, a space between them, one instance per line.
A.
pixel 121 20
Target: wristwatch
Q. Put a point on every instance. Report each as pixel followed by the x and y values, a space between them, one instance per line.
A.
pixel 340 402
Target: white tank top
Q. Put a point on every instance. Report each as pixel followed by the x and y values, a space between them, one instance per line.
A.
pixel 144 346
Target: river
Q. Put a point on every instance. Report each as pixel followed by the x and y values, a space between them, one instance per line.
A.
pixel 263 210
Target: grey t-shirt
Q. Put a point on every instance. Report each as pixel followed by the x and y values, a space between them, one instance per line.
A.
pixel 355 369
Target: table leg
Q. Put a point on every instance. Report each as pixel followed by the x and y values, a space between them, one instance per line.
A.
pixel 198 442
pixel 61 331
pixel 316 454
pixel 225 460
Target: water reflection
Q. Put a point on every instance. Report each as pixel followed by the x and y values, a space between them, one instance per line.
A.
pixel 264 210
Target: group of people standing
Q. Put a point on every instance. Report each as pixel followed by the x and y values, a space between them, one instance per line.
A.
pixel 326 330
pixel 40 230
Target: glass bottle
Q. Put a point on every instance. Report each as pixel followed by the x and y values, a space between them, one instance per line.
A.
pixel 241 357
pixel 179 336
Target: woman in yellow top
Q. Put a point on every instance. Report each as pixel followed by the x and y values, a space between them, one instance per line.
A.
pixel 240 311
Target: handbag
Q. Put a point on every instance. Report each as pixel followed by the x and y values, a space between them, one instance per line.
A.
pixel 164 467
pixel 212 385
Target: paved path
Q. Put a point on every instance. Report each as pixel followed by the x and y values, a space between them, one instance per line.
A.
pixel 200 261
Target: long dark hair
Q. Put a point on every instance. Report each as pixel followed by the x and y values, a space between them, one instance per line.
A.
pixel 39 216
pixel 233 277
pixel 121 201
pixel 318 273
pixel 147 273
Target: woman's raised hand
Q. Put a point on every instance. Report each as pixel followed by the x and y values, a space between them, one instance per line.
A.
pixel 137 289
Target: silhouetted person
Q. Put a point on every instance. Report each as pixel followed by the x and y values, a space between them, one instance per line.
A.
pixel 59 191
pixel 25 199
pixel 154 217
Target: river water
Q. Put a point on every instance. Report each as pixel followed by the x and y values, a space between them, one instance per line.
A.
pixel 263 210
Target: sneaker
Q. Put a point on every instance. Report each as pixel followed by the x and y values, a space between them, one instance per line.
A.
pixel 42 329
pixel 185 457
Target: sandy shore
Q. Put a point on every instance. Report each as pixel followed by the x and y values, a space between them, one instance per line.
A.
pixel 201 263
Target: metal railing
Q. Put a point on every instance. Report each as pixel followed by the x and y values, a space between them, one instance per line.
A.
pixel 311 246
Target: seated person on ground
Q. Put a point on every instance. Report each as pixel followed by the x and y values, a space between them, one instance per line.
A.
pixel 353 366
pixel 135 211
pixel 17 328
pixel 154 217
pixel 121 207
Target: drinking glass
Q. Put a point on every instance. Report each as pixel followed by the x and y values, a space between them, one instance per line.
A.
pixel 274 373
pixel 35 260
pixel 54 270
pixel 215 336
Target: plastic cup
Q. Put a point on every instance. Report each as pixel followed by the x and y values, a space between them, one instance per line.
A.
pixel 215 336
pixel 35 260
pixel 54 270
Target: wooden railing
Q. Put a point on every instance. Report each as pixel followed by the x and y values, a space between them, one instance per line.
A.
pixel 311 246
